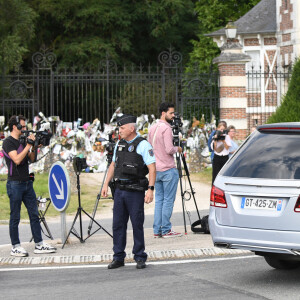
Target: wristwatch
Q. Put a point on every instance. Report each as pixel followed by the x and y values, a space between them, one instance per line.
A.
pixel 151 187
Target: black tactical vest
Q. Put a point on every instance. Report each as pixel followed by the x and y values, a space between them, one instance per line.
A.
pixel 129 164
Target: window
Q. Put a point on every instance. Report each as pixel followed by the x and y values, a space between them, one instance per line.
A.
pixel 267 155
pixel 253 71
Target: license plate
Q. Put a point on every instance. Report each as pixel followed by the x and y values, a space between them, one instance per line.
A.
pixel 261 203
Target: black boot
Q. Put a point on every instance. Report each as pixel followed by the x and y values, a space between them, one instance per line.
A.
pixel 115 264
pixel 140 264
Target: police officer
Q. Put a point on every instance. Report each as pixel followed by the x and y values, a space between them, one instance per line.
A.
pixel 133 159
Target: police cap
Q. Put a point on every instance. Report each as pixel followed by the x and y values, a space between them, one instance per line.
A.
pixel 125 119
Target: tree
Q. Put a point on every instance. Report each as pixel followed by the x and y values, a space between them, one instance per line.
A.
pixel 213 15
pixel 289 110
pixel 16 29
pixel 81 32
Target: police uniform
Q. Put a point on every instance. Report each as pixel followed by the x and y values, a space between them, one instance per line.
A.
pixel 131 159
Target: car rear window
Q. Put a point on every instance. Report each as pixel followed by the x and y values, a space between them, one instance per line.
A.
pixel 274 155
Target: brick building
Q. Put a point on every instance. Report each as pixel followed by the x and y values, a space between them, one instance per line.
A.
pixel 255 68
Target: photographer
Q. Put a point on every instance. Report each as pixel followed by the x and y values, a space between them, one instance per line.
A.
pixel 210 139
pixel 220 145
pixel 20 187
pixel 133 159
pixel 167 176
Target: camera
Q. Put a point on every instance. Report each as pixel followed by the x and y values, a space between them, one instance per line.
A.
pixel 176 125
pixel 42 137
pixel 110 148
pixel 177 121
pixel 110 151
pixel 220 135
pixel 79 164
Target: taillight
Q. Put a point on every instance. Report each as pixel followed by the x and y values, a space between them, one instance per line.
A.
pixel 297 205
pixel 217 198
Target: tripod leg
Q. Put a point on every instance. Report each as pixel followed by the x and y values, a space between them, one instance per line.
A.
pixel 97 202
pixel 100 227
pixel 47 228
pixel 189 180
pixel 181 190
pixel 77 214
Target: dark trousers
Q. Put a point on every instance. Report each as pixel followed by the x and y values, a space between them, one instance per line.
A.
pixel 17 192
pixel 218 163
pixel 128 204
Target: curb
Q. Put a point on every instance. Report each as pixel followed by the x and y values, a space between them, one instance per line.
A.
pixel 87 259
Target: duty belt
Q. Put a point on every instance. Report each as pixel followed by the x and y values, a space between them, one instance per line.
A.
pixel 128 185
pixel 125 181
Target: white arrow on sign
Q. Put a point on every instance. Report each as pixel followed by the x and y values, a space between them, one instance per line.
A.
pixel 60 189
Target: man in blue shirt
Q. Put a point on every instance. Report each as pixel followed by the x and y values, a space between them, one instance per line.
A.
pixel 133 159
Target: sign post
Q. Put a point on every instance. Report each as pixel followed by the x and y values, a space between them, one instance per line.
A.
pixel 60 192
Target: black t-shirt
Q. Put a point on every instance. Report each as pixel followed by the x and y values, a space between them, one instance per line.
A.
pixel 20 172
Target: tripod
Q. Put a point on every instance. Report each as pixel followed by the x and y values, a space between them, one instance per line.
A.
pixel 78 214
pixel 97 202
pixel 110 149
pixel 179 158
pixel 42 213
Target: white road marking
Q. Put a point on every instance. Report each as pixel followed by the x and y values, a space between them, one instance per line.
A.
pixel 172 262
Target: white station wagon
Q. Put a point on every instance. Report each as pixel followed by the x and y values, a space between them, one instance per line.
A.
pixel 255 199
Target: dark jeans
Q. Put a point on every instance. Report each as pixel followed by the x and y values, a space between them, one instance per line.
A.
pixel 17 192
pixel 218 163
pixel 128 204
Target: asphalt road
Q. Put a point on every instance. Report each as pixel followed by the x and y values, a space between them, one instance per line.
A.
pixel 211 278
pixel 55 227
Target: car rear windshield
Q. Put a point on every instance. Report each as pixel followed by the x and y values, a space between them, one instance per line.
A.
pixel 273 155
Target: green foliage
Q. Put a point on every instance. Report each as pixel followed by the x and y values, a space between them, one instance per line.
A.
pixel 151 91
pixel 213 15
pixel 289 110
pixel 16 29
pixel 81 32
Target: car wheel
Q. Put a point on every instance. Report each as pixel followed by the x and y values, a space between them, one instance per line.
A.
pixel 277 263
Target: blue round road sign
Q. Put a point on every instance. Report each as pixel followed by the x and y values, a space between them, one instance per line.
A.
pixel 59 186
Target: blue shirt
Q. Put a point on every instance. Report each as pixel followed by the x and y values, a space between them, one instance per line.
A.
pixel 212 153
pixel 233 147
pixel 144 149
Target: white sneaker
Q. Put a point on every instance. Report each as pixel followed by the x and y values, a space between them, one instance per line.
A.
pixel 18 251
pixel 44 248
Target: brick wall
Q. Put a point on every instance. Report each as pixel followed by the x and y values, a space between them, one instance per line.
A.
pixel 286 37
pixel 232 70
pixel 254 100
pixel 287 24
pixel 286 50
pixel 232 92
pixel 233 113
pixel 270 41
pixel 241 134
pixel 251 42
pixel 285 10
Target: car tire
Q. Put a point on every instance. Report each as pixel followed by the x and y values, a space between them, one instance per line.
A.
pixel 280 264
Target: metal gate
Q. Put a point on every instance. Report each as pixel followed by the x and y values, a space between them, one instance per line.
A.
pixel 90 94
pixel 200 96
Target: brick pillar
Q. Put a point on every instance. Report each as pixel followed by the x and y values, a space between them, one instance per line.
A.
pixel 233 82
